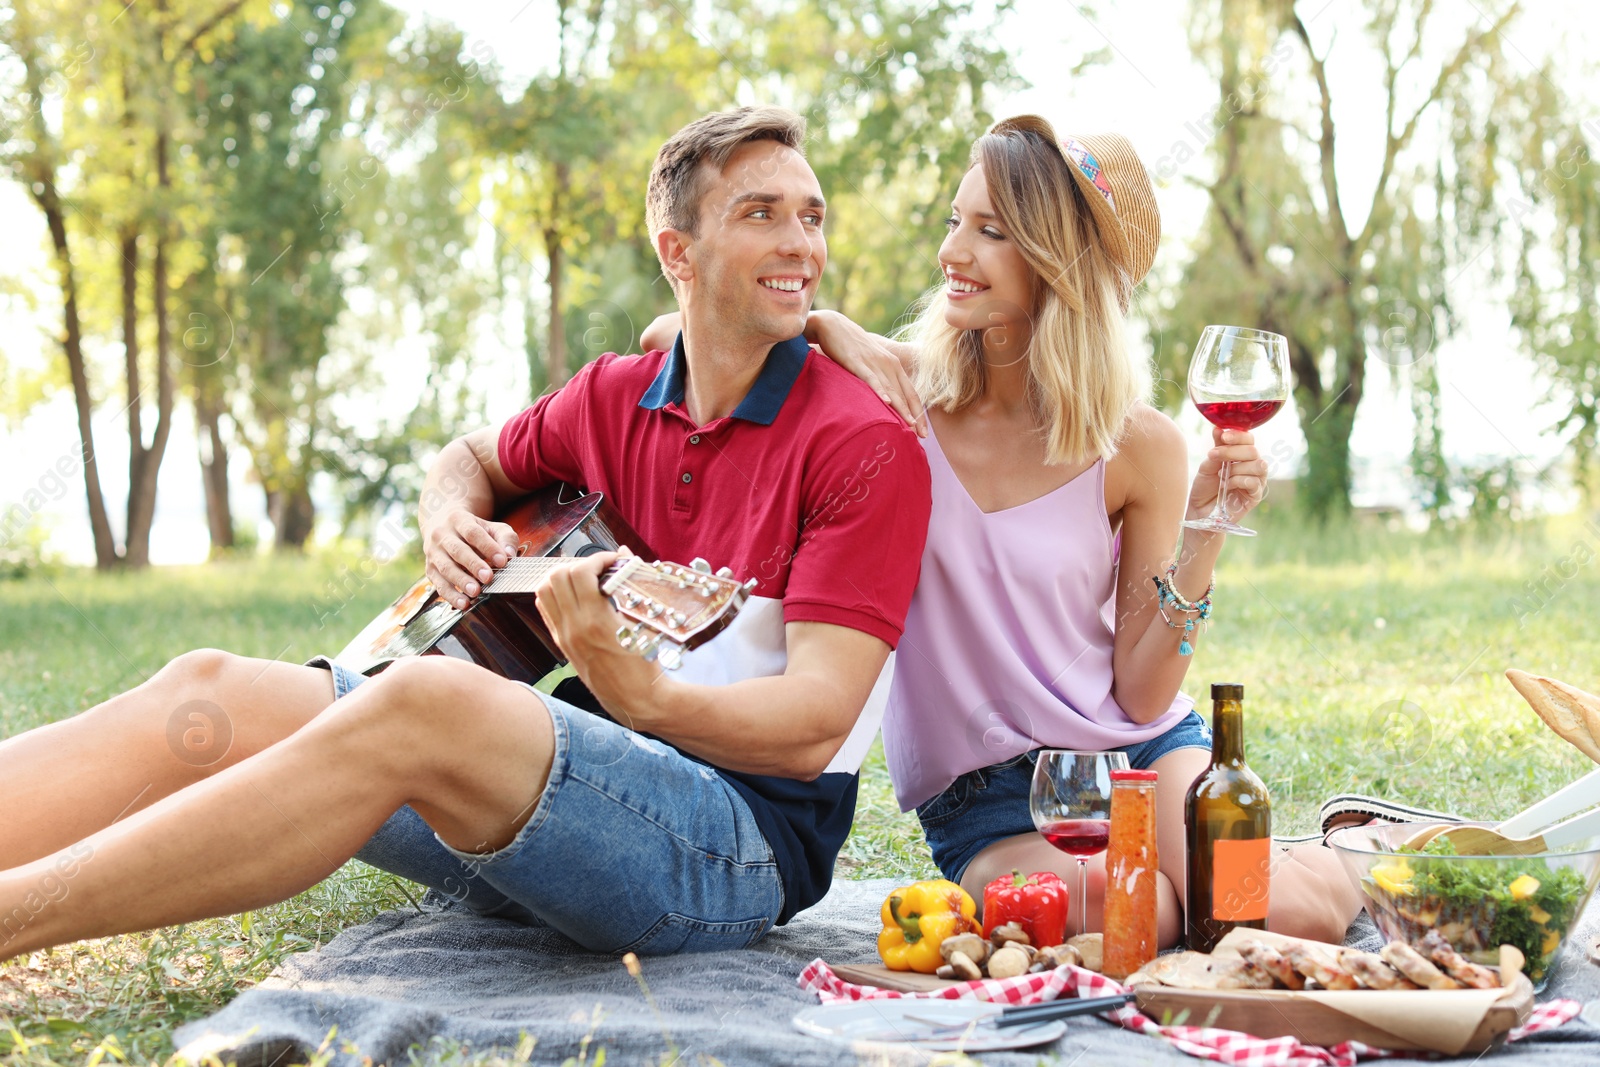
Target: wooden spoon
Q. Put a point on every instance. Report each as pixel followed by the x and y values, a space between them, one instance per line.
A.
pixel 1487 841
pixel 1419 839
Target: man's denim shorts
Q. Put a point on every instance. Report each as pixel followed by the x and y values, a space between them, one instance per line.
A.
pixel 632 847
pixel 991 803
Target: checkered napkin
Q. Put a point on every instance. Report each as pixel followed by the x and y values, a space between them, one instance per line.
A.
pixel 1207 1043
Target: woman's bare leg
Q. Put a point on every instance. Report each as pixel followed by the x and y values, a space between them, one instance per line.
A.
pixel 200 714
pixel 277 822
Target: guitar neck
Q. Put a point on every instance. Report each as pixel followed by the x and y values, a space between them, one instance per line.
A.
pixel 522 574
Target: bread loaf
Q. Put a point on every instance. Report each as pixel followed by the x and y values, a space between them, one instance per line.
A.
pixel 1570 712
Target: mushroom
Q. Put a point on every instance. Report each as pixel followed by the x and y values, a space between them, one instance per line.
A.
pixel 976 948
pixel 962 967
pixel 1053 956
pixel 1008 962
pixel 1012 931
pixel 1091 947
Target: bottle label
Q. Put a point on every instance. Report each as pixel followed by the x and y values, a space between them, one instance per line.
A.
pixel 1239 878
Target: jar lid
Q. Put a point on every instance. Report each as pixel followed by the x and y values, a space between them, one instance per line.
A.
pixel 1133 776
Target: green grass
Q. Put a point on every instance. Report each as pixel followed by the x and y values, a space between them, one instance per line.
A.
pixel 1373 661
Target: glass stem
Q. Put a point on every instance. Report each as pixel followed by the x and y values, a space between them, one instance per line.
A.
pixel 1219 511
pixel 1083 896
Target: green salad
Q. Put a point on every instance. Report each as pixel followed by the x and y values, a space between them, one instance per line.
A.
pixel 1476 905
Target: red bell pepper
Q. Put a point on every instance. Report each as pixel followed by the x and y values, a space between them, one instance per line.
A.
pixel 1038 902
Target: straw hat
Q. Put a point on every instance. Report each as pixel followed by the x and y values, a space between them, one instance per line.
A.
pixel 1116 187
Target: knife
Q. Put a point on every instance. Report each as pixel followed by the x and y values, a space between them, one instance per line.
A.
pixel 1020 1015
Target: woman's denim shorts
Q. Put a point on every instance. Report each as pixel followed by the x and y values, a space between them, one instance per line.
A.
pixel 632 847
pixel 991 803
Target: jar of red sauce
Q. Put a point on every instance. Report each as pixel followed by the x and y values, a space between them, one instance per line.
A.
pixel 1131 865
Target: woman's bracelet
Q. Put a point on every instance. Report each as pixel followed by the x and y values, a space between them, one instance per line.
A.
pixel 1167 594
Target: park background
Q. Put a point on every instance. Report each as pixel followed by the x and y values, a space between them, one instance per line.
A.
pixel 272 255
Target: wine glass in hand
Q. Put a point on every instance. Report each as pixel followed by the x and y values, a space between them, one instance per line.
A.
pixel 1238 378
pixel 1071 804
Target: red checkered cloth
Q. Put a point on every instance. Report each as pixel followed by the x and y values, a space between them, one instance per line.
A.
pixel 1208 1043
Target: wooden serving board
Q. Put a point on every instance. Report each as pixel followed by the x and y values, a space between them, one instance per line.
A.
pixel 876 974
pixel 1403 1020
pixel 1411 1020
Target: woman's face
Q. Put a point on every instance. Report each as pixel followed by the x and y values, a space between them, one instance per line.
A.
pixel 987 281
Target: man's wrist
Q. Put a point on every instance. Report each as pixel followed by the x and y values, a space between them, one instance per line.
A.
pixel 641 698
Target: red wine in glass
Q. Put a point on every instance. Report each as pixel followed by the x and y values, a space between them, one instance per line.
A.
pixel 1239 414
pixel 1078 837
pixel 1238 379
pixel 1070 800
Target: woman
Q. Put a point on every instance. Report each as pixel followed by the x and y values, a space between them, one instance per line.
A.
pixel 1057 497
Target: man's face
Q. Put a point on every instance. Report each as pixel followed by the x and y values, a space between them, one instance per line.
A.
pixel 760 250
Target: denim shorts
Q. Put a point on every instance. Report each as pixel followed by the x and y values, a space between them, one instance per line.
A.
pixel 632 847
pixel 991 803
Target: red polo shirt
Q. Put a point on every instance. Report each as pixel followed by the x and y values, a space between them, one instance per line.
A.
pixel 811 486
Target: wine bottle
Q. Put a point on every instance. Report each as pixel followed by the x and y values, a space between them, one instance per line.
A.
pixel 1227 818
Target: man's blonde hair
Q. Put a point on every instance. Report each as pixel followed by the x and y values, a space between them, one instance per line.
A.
pixel 1082 381
pixel 672 199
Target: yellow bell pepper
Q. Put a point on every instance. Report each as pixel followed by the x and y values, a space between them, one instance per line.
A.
pixel 1394 876
pixel 917 919
pixel 1523 887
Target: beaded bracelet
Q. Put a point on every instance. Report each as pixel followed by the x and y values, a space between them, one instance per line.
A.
pixel 1167 593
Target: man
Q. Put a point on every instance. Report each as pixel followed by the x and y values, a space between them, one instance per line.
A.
pixel 719 813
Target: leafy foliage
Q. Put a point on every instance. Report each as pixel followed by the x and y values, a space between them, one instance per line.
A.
pixel 1357 277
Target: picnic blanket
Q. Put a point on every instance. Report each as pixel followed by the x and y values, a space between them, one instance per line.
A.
pixel 421 984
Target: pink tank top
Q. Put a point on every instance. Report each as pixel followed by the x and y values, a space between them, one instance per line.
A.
pixel 1007 646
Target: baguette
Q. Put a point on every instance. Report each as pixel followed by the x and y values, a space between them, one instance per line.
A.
pixel 1570 712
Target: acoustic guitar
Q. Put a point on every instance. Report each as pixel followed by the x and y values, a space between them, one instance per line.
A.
pixel 670 607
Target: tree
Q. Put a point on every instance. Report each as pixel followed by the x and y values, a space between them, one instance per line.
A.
pixel 106 167
pixel 1346 274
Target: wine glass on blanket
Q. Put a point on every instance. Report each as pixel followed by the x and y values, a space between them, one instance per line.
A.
pixel 1071 804
pixel 1238 378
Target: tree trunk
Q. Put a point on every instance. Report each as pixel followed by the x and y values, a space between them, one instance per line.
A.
pixel 1328 414
pixel 530 343
pixel 556 346
pixel 293 517
pixel 556 352
pixel 105 550
pixel 137 458
pixel 213 462
pixel 1325 491
pixel 142 482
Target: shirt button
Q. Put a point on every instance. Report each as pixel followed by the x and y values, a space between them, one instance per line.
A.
pixel 695 439
pixel 687 477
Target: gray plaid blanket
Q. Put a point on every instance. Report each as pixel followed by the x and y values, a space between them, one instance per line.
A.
pixel 441 984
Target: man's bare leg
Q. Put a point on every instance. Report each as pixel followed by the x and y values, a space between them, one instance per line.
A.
pixel 468 750
pixel 200 714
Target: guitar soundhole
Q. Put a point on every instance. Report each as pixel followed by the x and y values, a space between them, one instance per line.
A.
pixel 591 538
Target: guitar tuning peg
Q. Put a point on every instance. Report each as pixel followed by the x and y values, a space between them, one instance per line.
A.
pixel 679 618
pixel 626 635
pixel 724 572
pixel 647 646
pixel 700 565
pixel 669 655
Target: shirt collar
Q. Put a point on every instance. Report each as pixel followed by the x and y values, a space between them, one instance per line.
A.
pixel 761 404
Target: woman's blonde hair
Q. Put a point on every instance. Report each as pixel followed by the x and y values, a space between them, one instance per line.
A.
pixel 1082 381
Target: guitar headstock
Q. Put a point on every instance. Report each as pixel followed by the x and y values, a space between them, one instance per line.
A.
pixel 671 607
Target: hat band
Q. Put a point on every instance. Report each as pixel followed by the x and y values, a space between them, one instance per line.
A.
pixel 1084 160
